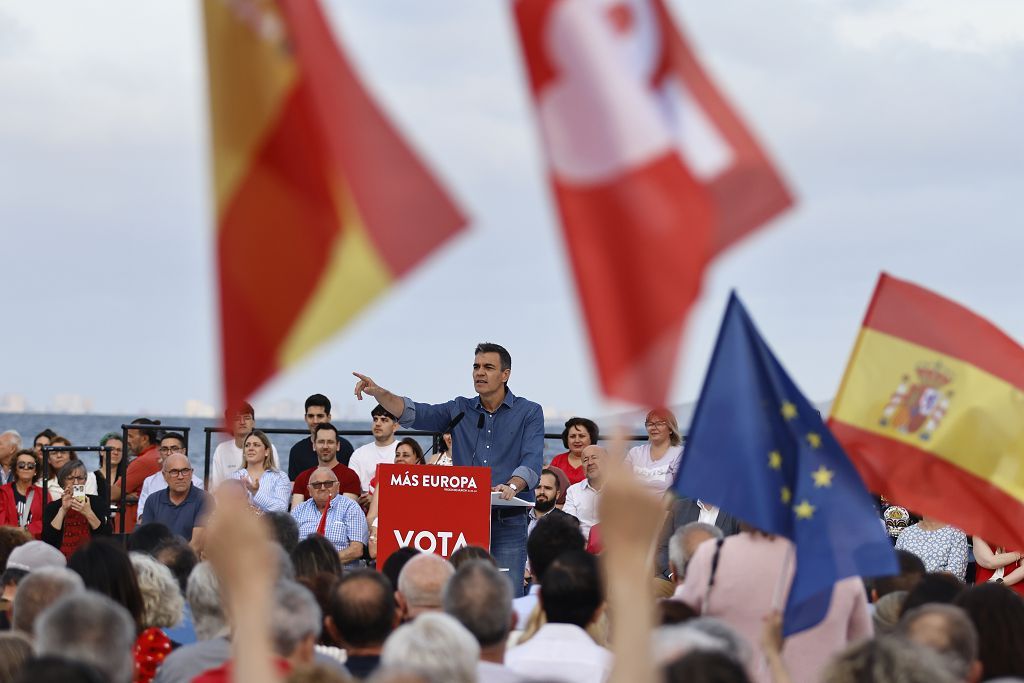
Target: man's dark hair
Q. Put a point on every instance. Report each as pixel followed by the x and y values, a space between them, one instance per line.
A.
pixel 488 347
pixel 481 599
pixel 283 529
pixel 240 408
pixel 589 425
pixel 177 555
pixel 998 616
pixel 933 587
pixel 911 571
pixel 705 666
pixel 471 553
pixel 175 435
pixel 319 400
pixel 152 434
pixel 105 568
pixel 553 535
pixel 315 555
pixel 52 669
pixel 381 411
pixel 363 608
pixel 558 482
pixel 571 591
pixel 322 426
pixel 393 566
pixel 145 538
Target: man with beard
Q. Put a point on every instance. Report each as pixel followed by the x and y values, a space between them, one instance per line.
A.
pixel 547 492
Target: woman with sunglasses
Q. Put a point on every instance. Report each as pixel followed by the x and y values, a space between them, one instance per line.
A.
pixel 656 462
pixel 21 499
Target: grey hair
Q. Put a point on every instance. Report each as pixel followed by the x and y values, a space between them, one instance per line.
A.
pixel 285 566
pixel 69 468
pixel 672 642
pixel 481 599
pixel 435 645
pixel 162 603
pixel 887 659
pixel 423 579
pixel 40 589
pixel 962 645
pixel 677 544
pixel 91 628
pixel 735 646
pixel 295 617
pixel 17 437
pixel 203 594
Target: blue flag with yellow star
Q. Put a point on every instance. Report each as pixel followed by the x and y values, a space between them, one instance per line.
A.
pixel 759 450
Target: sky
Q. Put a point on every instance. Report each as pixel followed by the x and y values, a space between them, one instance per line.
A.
pixel 897 124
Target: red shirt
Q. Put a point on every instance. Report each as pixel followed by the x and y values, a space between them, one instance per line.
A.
pixel 222 674
pixel 348 481
pixel 147 463
pixel 575 474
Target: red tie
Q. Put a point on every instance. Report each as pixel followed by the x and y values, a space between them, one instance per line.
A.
pixel 322 526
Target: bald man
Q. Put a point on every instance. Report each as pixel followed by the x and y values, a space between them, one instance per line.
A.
pixel 181 506
pixel 421 585
pixel 581 498
pixel 338 518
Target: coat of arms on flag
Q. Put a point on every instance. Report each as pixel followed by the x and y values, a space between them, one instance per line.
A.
pixel 918 406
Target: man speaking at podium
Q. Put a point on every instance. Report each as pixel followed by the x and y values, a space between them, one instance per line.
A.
pixel 495 429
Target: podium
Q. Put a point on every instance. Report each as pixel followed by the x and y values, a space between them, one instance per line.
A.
pixel 433 508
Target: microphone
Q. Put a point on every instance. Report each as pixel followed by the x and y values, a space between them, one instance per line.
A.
pixel 448 430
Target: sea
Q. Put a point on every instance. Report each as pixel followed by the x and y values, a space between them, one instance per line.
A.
pixel 87 430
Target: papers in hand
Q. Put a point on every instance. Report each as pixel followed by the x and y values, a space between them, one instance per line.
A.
pixel 497 502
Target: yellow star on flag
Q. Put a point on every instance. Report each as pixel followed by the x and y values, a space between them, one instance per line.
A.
pixel 788 410
pixel 786 495
pixel 822 477
pixel 804 510
pixel 814 440
pixel 775 460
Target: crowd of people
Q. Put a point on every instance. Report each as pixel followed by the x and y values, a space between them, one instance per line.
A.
pixel 270 573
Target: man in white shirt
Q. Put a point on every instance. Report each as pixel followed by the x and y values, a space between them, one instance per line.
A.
pixel 382 450
pixel 581 498
pixel 572 597
pixel 169 445
pixel 228 457
pixel 481 599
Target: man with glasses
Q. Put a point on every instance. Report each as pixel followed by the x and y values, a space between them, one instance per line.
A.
pixel 228 457
pixel 337 518
pixel 581 498
pixel 169 445
pixel 181 506
pixel 325 441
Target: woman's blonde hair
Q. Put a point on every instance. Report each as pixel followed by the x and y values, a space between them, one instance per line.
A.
pixel 675 436
pixel 269 463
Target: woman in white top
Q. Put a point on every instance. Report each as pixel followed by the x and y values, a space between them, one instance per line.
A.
pixel 657 461
pixel 268 487
pixel 56 460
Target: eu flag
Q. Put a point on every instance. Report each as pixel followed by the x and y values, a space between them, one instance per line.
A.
pixel 760 451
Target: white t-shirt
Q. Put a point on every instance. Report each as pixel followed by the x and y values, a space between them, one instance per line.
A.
pixel 227 458
pixel 366 458
pixel 581 503
pixel 656 474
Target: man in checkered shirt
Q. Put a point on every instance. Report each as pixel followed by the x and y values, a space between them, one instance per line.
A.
pixel 338 518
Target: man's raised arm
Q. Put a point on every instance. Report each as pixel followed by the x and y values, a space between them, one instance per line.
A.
pixel 392 403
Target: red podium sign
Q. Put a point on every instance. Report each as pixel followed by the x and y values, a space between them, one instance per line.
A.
pixel 433 508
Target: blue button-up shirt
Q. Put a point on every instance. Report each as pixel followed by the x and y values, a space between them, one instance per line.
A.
pixel 510 440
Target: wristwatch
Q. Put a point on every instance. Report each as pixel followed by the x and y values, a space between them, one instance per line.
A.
pixel 513 487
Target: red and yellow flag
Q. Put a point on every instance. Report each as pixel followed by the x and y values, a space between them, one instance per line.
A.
pixel 931 410
pixel 320 204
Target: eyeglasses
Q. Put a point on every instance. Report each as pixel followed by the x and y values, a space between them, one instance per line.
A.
pixel 74 478
pixel 321 484
pixel 26 465
pixel 183 472
pixel 167 450
pixel 659 424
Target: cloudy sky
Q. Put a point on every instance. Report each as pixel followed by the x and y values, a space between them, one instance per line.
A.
pixel 897 123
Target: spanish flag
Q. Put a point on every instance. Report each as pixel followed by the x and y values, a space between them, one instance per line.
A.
pixel 320 204
pixel 931 410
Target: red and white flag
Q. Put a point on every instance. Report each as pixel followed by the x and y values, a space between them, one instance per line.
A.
pixel 653 173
